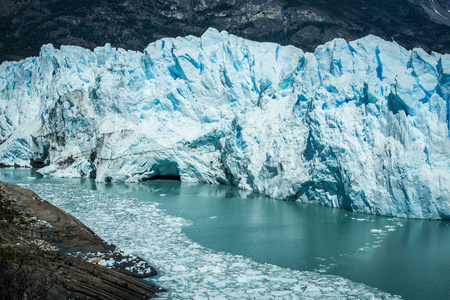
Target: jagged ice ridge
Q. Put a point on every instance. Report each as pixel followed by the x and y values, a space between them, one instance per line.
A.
pixel 362 125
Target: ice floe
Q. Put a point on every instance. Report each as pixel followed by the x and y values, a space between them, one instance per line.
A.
pixel 187 269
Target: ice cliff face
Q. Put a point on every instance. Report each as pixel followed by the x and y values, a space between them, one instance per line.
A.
pixel 362 125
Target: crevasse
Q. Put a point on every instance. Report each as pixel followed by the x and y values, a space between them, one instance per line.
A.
pixel 362 125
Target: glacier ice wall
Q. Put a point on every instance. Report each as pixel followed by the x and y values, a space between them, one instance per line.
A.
pixel 362 125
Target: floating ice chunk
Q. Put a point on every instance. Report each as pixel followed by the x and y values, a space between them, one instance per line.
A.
pixel 312 291
pixel 203 269
pixel 212 258
pixel 239 265
pixel 199 272
pixel 390 227
pixel 179 268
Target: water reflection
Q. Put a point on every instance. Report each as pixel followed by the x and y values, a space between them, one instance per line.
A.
pixel 406 257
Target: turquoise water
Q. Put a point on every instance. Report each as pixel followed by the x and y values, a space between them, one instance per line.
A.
pixel 410 258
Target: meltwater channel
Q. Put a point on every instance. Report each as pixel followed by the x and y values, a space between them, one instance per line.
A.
pixel 270 239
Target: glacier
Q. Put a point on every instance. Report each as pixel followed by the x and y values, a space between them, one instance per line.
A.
pixel 360 125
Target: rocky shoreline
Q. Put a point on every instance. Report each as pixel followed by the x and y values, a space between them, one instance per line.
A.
pixel 36 238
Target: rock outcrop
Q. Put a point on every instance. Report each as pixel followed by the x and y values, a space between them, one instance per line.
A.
pixel 34 237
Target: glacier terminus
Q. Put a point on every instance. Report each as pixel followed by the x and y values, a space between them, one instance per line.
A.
pixel 360 125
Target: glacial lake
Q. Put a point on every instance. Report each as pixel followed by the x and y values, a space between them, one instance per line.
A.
pixel 410 258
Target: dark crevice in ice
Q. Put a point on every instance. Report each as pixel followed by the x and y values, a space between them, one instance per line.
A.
pixel 163 177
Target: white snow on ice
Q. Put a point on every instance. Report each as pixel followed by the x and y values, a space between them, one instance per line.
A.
pixel 367 118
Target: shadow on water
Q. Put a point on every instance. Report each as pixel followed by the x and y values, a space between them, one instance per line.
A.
pixel 410 258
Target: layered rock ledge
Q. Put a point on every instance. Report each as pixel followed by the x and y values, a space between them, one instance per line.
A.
pixel 35 235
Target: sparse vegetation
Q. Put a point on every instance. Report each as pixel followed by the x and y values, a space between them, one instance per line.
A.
pixel 21 274
pixel 26 25
pixel 32 268
pixel 7 214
